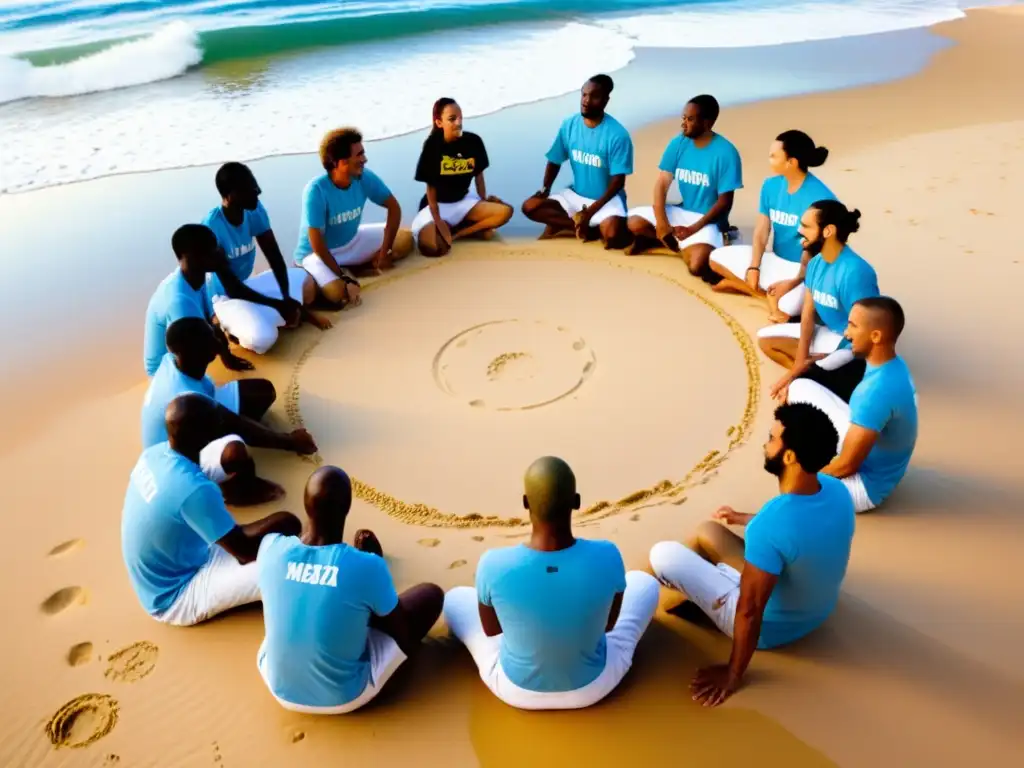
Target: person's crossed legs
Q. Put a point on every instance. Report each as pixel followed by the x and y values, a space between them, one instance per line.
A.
pixel 559 213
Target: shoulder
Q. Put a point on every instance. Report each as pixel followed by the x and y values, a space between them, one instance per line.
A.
pixel 767 515
pixel 369 177
pixel 570 122
pixel 615 128
pixel 832 486
pixel 820 188
pixel 676 143
pixel 859 263
pixel 214 217
pixel 474 137
pixel 770 185
pixel 315 185
pixel 273 545
pixel 725 147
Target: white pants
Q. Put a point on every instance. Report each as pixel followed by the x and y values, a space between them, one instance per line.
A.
pixel 210 457
pixel 715 589
pixel 639 602
pixel 220 585
pixel 385 659
pixel 451 213
pixel 838 412
pixel 359 250
pixel 825 341
pixel 677 217
pixel 255 325
pixel 572 204
pixel 738 258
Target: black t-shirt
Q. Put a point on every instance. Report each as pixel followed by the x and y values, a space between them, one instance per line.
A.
pixel 450 167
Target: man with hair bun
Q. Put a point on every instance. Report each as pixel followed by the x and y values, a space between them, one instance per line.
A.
pixel 782 580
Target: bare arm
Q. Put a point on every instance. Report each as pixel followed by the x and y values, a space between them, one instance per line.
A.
pixel 613 613
pixel 393 223
pixel 481 186
pixel 319 246
pixel 762 231
pixel 755 588
pixel 396 625
pixel 721 207
pixel 615 185
pixel 856 446
pixel 243 541
pixel 253 433
pixel 661 187
pixel 550 174
pixel 435 212
pixel 272 252
pixel 807 328
pixel 489 620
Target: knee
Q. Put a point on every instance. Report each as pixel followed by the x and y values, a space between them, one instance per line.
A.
pixel 765 345
pixel 662 555
pixel 235 458
pixel 427 242
pixel 256 396
pixel 530 206
pixel 335 293
pixel 403 244
pixel 433 595
pixel 505 215
pixel 308 290
pixel 262 339
pixel 636 224
pixel 614 231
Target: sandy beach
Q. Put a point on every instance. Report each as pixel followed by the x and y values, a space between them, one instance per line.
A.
pixel 648 384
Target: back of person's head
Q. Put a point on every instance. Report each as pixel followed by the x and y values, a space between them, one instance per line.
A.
pixel 604 82
pixel 885 314
pixel 190 338
pixel 834 213
pixel 193 239
pixel 550 487
pixel 230 178
pixel 328 498
pixel 192 422
pixel 437 112
pixel 799 146
pixel 809 433
pixel 708 107
pixel 337 145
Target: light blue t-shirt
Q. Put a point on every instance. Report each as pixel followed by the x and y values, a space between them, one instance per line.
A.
pixel 836 287
pixel 805 541
pixel 885 401
pixel 317 603
pixel 594 154
pixel 336 212
pixel 172 515
pixel 785 210
pixel 167 383
pixel 174 299
pixel 702 173
pixel 239 243
pixel 553 608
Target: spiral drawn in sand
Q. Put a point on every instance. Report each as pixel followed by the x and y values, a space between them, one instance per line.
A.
pixel 667 490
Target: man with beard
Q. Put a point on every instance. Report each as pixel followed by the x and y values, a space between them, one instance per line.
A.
pixel 251 309
pixel 782 580
pixel 836 279
pixel 878 429
pixel 708 170
pixel 600 153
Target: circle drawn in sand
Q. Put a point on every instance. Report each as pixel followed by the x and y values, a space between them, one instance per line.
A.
pixel 64 548
pixel 79 654
pixel 513 365
pixel 131 664
pixel 82 721
pixel 63 599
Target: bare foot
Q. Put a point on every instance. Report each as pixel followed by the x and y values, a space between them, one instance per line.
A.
pixel 633 249
pixel 548 233
pixel 250 491
pixel 723 286
pixel 485 234
pixel 778 316
pixel 367 541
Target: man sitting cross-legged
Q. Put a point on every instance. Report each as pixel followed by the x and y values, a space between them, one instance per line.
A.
pixel 187 559
pixel 783 581
pixel 552 624
pixel 336 630
pixel 192 347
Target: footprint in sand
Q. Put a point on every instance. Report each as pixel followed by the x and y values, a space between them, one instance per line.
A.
pixel 79 654
pixel 69 546
pixel 82 721
pixel 578 345
pixel 635 517
pixel 63 599
pixel 297 736
pixel 456 564
pixel 131 664
pixel 428 542
pixel 478 538
pixel 476 403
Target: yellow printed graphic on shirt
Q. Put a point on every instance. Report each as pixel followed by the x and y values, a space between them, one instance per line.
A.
pixel 456 166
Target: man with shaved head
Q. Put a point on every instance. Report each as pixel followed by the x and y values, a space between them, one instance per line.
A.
pixel 553 623
pixel 878 429
pixel 187 559
pixel 336 629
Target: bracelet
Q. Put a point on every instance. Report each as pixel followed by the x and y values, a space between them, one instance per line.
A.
pixel 750 268
pixel 350 280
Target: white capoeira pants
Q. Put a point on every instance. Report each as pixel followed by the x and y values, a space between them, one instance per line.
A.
pixel 385 659
pixel 709 234
pixel 452 214
pixel 256 325
pixel 359 250
pixel 715 589
pixel 639 602
pixel 838 412
pixel 220 585
pixel 825 341
pixel 572 204
pixel 738 258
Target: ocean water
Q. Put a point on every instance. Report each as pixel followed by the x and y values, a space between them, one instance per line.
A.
pixel 90 88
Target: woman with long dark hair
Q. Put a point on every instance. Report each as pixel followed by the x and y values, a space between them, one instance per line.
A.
pixel 453 160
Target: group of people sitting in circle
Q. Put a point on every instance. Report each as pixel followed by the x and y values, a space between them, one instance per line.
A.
pixel 552 623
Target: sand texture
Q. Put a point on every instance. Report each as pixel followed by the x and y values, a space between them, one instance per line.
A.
pixel 453 375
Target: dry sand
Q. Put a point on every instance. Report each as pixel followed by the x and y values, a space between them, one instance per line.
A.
pixel 920 666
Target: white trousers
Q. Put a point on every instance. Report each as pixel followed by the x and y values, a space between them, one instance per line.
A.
pixel 359 250
pixel 220 585
pixel 715 589
pixel 451 213
pixel 385 659
pixel 738 258
pixel 256 325
pixel 572 204
pixel 709 234
pixel 838 412
pixel 210 458
pixel 825 341
pixel 639 602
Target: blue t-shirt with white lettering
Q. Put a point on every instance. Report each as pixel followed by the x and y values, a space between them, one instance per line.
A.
pixel 172 515
pixel 239 243
pixel 785 209
pixel 167 383
pixel 174 299
pixel 805 541
pixel 702 173
pixel 553 608
pixel 885 402
pixel 836 287
pixel 594 154
pixel 335 211
pixel 317 603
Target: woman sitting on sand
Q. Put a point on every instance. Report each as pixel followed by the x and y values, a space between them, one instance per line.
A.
pixel 449 161
pixel 779 272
